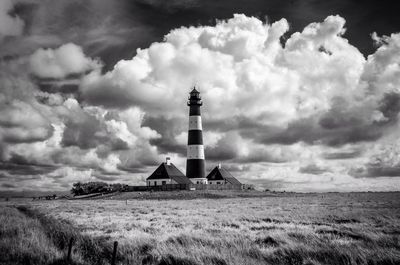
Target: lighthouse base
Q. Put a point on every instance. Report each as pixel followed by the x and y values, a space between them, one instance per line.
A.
pixel 199 180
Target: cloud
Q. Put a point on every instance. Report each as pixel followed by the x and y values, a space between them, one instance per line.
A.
pixel 228 147
pixel 41 133
pixel 172 6
pixel 257 77
pixel 375 171
pixel 169 129
pixel 383 161
pixel 20 122
pixel 313 169
pixel 59 63
pixel 18 165
pixel 342 154
pixel 9 25
pixel 382 69
pixel 22 117
pixel 86 131
pixel 273 102
pixel 272 91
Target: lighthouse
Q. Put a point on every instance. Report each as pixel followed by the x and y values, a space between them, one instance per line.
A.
pixel 195 164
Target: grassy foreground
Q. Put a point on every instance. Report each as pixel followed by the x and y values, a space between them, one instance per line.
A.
pixel 29 237
pixel 294 229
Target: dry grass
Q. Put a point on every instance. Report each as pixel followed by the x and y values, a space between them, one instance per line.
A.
pixel 330 229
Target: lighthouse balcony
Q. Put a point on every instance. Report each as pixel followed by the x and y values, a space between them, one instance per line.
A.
pixel 194 103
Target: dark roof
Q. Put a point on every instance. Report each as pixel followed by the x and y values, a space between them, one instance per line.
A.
pixel 165 171
pixel 215 175
pixel 222 174
pixel 194 90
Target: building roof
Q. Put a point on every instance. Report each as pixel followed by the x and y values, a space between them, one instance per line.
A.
pixel 165 171
pixel 194 90
pixel 220 173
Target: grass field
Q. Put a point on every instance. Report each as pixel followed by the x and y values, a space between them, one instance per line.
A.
pixel 349 228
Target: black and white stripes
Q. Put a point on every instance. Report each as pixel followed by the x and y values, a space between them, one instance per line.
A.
pixel 195 166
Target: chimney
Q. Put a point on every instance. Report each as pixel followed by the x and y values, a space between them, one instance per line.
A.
pixel 219 165
pixel 168 161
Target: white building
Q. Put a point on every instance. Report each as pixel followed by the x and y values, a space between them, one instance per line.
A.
pixel 220 175
pixel 167 173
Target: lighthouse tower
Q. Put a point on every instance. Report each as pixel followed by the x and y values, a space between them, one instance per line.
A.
pixel 195 164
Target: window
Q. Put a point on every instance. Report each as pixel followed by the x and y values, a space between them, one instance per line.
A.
pixel 164 182
pixel 198 182
pixel 218 182
pixel 155 183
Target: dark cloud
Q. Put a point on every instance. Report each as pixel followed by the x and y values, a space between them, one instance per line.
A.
pixel 19 165
pixel 89 132
pixel 172 6
pixel 8 185
pixel 101 95
pixel 342 155
pixel 381 171
pixel 168 128
pixel 338 126
pixel 313 169
pixel 107 177
pixel 390 106
pixel 308 130
pixel 227 148
pixel 375 171
pixel 139 164
pixel 237 122
pixel 67 86
pixel 138 169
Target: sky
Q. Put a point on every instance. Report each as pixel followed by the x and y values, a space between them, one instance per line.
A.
pixel 297 95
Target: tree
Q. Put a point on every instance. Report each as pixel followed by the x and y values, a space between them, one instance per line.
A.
pixel 77 189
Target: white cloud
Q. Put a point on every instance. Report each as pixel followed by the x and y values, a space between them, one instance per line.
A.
pixel 59 63
pixel 243 70
pixel 314 88
pixel 240 62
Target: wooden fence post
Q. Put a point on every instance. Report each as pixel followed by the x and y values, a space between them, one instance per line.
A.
pixel 71 241
pixel 114 255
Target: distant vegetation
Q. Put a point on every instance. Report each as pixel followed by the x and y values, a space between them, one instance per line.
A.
pixel 289 229
pixel 95 187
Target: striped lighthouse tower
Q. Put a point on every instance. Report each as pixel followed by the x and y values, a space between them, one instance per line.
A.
pixel 195 164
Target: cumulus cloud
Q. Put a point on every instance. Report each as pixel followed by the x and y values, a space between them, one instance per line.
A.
pixel 256 74
pixel 42 133
pixel 287 111
pixel 60 62
pixel 20 122
pixel 22 117
pixel 262 90
pixel 258 78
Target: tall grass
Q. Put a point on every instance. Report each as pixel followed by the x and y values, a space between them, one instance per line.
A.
pixel 30 237
pixel 342 229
